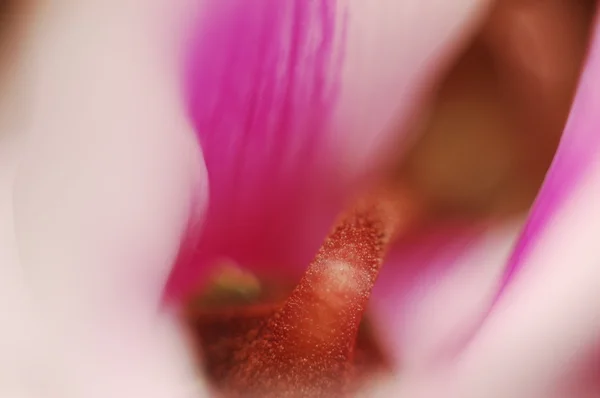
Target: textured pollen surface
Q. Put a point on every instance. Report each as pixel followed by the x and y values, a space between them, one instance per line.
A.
pixel 307 346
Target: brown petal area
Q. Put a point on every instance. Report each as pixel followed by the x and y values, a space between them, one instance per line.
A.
pixel 315 343
pixel 489 132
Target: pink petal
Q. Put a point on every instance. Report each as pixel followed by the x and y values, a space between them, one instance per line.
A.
pixel 578 147
pixel 295 104
pixel 435 288
pixel 432 298
pixel 542 336
pixel 107 169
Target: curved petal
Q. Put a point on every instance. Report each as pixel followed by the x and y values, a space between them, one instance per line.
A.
pixel 294 103
pixel 434 294
pixel 107 170
pixel 577 149
pixel 435 288
pixel 541 336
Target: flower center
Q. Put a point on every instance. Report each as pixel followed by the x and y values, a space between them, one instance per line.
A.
pixel 316 342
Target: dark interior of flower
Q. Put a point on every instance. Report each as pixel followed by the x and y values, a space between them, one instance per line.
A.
pixel 489 130
pixel 257 340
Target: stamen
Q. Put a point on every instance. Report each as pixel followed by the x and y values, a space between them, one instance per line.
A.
pixel 306 348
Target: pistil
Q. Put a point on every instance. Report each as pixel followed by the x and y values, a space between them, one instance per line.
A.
pixel 306 347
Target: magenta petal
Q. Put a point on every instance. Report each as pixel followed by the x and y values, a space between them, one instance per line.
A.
pixel 261 101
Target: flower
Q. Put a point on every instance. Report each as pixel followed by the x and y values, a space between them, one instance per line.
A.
pixel 104 179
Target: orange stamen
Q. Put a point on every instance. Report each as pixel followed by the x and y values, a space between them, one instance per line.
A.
pixel 306 348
